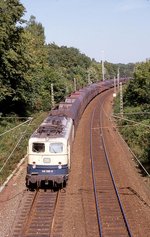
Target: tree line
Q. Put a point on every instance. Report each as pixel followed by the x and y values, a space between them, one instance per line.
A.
pixel 135 126
pixel 29 65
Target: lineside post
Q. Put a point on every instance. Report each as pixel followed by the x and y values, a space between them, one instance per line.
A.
pixel 121 100
pixel 118 78
pixel 52 95
pixel 75 84
pixel 103 70
pixel 114 94
pixel 89 79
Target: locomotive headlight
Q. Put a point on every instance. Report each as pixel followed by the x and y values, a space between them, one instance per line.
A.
pixel 59 165
pixel 33 165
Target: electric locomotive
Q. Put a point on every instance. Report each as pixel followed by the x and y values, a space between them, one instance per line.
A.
pixel 49 151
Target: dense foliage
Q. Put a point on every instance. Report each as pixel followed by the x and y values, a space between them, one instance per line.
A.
pixel 29 65
pixel 13 60
pixel 136 122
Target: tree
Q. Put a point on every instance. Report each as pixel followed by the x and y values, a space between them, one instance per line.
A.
pixel 138 90
pixel 70 63
pixel 37 74
pixel 13 60
pixel 136 108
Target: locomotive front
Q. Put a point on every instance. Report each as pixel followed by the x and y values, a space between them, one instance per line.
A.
pixel 49 153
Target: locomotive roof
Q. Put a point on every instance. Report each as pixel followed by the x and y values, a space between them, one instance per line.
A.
pixel 52 126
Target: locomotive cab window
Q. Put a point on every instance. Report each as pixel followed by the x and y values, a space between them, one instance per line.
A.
pixel 38 147
pixel 56 148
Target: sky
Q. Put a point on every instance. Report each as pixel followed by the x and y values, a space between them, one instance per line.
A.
pixel 117 31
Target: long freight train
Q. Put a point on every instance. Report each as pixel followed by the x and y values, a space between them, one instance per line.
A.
pixel 50 146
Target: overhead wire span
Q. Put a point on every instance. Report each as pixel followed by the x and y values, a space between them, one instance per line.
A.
pixel 135 113
pixel 134 155
pixel 138 161
pixel 129 120
pixel 29 120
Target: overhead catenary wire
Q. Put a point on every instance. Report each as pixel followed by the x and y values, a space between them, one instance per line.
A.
pixel 132 121
pixel 117 126
pixel 139 162
pixel 135 113
pixel 136 124
pixel 24 132
pixel 125 125
pixel 30 119
pixel 136 158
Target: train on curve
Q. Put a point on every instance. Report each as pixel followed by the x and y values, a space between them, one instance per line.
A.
pixel 49 147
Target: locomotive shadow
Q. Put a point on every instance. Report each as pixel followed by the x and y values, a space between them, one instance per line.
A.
pixel 54 187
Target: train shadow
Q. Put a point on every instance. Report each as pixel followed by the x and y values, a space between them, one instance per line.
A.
pixel 54 187
pixel 131 191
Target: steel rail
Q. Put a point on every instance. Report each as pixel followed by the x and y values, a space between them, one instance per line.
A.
pixel 29 213
pixel 112 177
pixel 98 212
pixel 53 219
pixel 94 180
pixel 48 217
pixel 42 208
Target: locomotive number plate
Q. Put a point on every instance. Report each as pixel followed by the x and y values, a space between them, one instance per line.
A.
pixel 47 171
pixel 46 160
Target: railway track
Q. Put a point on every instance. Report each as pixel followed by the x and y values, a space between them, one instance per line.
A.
pixel 81 214
pixel 111 218
pixel 41 215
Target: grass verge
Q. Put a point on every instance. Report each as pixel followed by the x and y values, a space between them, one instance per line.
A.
pixel 13 144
